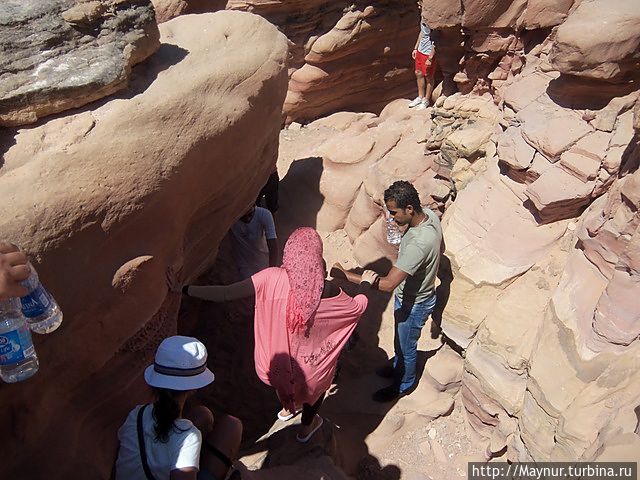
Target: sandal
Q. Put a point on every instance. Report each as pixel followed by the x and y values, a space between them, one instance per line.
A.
pixel 287 417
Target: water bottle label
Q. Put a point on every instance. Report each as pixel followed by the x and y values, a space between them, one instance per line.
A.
pixel 15 345
pixel 36 303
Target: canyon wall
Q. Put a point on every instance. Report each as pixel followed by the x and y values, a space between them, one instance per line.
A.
pixel 116 204
pixel 535 165
pixel 343 56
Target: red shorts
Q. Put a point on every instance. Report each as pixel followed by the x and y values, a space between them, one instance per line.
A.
pixel 421 64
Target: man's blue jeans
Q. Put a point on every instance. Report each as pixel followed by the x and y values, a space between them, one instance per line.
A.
pixel 409 320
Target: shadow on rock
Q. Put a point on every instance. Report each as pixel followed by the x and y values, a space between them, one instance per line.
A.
pixel 300 197
pixel 350 407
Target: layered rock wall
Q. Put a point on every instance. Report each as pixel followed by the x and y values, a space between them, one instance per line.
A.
pixel 117 203
pixel 63 54
pixel 344 55
pixel 540 152
pixel 542 291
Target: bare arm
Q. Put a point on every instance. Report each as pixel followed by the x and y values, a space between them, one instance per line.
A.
pixel 274 253
pixel 386 284
pixel 190 473
pixel 221 293
pixel 338 271
pixel 394 278
pixel 418 40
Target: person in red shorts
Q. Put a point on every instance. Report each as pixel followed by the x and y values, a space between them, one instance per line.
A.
pixel 424 54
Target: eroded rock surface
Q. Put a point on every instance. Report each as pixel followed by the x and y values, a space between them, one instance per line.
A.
pixel 612 54
pixel 116 203
pixel 542 234
pixel 62 54
pixel 343 56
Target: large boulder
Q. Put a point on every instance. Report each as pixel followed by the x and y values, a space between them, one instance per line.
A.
pixel 343 56
pixel 116 203
pixel 610 54
pixel 63 54
pixel 362 63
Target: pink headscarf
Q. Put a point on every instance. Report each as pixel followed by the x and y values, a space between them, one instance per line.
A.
pixel 302 260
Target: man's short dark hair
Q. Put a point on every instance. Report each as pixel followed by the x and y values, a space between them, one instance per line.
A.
pixel 403 194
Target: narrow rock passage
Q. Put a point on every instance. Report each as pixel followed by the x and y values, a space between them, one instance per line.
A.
pixel 362 438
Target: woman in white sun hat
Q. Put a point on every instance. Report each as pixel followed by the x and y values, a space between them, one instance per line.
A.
pixel 163 442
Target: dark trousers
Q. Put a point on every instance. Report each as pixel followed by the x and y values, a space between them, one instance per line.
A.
pixel 310 411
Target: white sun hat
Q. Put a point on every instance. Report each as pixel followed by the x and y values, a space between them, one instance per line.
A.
pixel 180 364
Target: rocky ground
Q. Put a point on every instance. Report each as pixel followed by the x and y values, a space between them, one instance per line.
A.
pixel 533 165
pixel 422 436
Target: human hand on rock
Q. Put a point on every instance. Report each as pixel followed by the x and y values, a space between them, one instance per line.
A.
pixel 369 276
pixel 14 268
pixel 174 278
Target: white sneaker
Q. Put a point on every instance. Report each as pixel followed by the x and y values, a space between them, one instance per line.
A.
pixel 423 104
pixel 415 102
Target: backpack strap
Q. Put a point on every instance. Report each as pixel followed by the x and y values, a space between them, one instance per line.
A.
pixel 141 447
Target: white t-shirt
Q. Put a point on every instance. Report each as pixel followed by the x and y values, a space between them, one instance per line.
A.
pixel 249 242
pixel 182 450
pixel 426 42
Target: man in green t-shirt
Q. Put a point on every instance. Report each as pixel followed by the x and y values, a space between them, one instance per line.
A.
pixel 412 279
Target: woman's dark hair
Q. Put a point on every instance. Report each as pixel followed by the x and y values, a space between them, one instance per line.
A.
pixel 403 194
pixel 166 410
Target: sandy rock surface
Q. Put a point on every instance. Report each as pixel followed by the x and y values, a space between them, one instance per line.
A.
pixel 532 353
pixel 541 237
pixel 609 56
pixel 117 203
pixel 63 54
pixel 343 56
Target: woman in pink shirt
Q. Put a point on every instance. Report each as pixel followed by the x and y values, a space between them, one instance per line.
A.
pixel 302 322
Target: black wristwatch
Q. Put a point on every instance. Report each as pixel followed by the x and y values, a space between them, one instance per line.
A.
pixel 185 290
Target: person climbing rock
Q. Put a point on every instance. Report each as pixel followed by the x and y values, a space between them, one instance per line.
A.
pixel 302 322
pixel 14 268
pixel 424 53
pixel 412 279
pixel 248 242
pixel 164 440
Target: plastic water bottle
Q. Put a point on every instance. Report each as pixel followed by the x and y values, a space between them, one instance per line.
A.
pixel 394 236
pixel 40 308
pixel 18 359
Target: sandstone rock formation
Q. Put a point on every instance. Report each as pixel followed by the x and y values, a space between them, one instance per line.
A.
pixel 363 154
pixel 540 150
pixel 115 203
pixel 540 303
pixel 344 55
pixel 612 56
pixel 63 54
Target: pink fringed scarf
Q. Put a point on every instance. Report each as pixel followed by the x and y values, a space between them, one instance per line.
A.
pixel 302 260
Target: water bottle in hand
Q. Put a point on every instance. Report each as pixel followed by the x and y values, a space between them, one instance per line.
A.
pixel 40 308
pixel 18 359
pixel 394 236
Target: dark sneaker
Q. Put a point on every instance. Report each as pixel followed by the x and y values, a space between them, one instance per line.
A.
pixel 386 372
pixel 388 394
